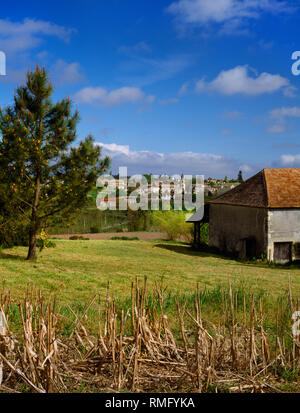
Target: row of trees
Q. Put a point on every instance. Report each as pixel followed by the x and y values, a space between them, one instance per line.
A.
pixel 45 178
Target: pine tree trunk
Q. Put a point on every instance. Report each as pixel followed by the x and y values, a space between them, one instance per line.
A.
pixel 34 222
pixel 32 245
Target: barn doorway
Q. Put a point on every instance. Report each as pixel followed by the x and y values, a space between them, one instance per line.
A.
pixel 250 248
pixel 282 252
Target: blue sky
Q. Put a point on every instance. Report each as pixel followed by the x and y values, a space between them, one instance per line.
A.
pixel 168 86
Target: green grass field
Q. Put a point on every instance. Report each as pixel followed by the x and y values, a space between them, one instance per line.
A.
pixel 76 270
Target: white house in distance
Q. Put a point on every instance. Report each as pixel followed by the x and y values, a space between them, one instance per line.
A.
pixel 260 216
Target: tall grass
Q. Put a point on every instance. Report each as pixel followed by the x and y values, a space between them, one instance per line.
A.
pixel 218 340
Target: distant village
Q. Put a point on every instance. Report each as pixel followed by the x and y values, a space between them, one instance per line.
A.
pixel 211 188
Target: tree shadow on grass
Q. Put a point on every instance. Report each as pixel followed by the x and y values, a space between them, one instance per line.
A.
pixel 8 256
pixel 189 250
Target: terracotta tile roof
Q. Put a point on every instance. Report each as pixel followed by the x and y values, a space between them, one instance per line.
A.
pixel 270 188
pixel 283 187
pixel 250 193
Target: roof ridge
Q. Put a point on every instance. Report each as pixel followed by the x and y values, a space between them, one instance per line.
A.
pixel 266 186
pixel 251 192
pixel 236 188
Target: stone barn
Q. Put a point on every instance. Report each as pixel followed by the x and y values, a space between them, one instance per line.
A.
pixel 260 216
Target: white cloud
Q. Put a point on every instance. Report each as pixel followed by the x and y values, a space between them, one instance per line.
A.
pixel 238 81
pixel 99 95
pixel 291 112
pixel 90 94
pixel 247 169
pixel 290 161
pixel 286 145
pixel 200 85
pixel 67 73
pixel 150 99
pixel 289 91
pixel 123 95
pixel 169 101
pixel 144 71
pixel 115 149
pixel 230 15
pixel 140 162
pixel 230 115
pixel 276 128
pixel 20 39
pixel 280 115
pixel 141 47
pixel 184 88
pixel 22 36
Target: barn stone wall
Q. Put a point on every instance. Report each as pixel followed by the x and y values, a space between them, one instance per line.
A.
pixel 284 226
pixel 230 226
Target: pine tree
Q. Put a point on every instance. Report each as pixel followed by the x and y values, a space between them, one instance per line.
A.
pixel 42 174
pixel 240 177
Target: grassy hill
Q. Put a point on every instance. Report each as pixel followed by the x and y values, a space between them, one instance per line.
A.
pixel 76 270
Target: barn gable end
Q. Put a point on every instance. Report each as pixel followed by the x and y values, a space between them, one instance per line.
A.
pixel 260 216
